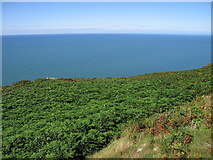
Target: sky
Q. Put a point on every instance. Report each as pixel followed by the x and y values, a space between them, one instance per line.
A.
pixel 107 17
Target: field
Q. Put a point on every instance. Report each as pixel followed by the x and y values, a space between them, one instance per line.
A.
pixel 74 118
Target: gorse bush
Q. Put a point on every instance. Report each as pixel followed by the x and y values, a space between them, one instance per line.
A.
pixel 71 118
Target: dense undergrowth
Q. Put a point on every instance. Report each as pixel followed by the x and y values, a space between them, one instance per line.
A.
pixel 182 132
pixel 72 118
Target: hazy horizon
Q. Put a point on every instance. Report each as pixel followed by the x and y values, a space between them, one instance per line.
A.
pixel 184 18
pixel 106 34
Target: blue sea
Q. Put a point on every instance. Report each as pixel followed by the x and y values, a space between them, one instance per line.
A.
pixel 29 57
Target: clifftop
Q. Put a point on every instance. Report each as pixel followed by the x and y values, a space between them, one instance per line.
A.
pixel 73 118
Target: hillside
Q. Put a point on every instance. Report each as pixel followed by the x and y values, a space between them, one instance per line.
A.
pixel 73 118
pixel 183 132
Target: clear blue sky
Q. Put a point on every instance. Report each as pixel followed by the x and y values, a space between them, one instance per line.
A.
pixel 108 17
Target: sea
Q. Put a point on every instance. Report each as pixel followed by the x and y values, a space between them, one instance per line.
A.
pixel 30 57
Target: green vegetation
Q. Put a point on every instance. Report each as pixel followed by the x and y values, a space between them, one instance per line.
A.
pixel 183 132
pixel 73 118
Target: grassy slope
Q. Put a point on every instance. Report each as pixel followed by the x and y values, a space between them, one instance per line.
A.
pixel 184 132
pixel 71 118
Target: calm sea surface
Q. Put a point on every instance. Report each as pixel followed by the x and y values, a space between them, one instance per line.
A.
pixel 100 55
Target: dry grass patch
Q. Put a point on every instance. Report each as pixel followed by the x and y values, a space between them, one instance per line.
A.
pixel 184 132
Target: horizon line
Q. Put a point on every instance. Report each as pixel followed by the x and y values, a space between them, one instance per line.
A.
pixel 208 34
pixel 10 1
